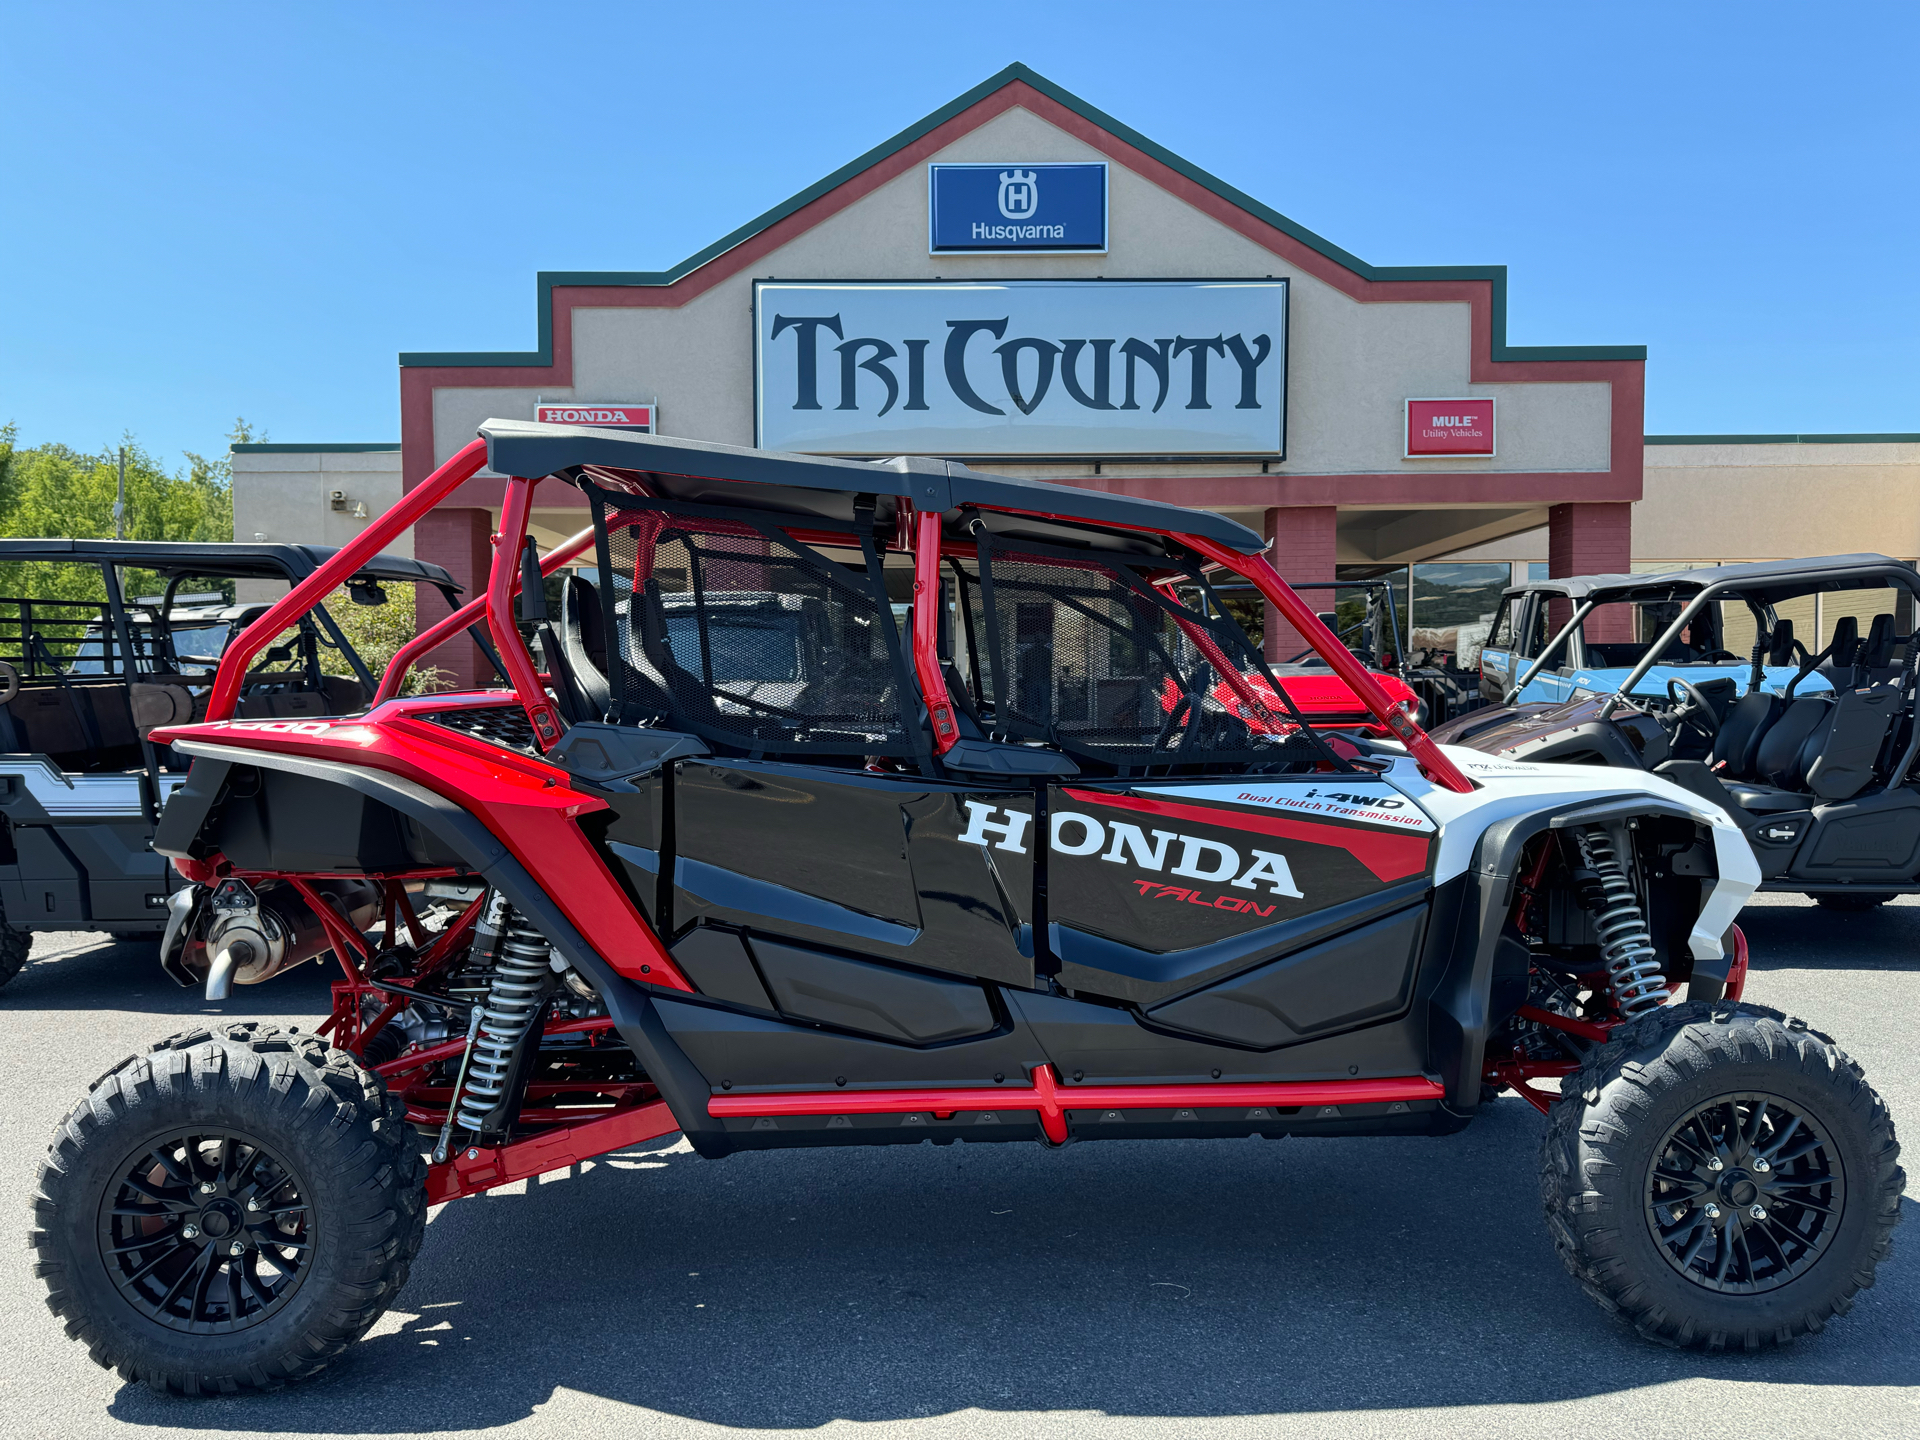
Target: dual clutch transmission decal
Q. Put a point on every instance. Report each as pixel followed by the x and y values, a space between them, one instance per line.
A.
pixel 1365 802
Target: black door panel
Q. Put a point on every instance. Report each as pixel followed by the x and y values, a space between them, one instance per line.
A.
pixel 711 892
pixel 1147 977
pixel 1151 885
pixel 717 962
pixel 860 861
pixel 738 1052
pixel 1111 1044
pixel 886 1001
pixel 1870 839
pixel 1363 976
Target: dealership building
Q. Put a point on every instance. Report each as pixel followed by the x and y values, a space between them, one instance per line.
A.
pixel 1025 283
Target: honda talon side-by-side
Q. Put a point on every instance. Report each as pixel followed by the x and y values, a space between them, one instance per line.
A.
pixel 88 673
pixel 838 803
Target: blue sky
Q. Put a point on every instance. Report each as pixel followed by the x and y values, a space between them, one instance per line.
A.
pixel 251 209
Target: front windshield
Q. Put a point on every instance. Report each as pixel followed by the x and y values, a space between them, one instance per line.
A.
pixel 197 643
pixel 201 642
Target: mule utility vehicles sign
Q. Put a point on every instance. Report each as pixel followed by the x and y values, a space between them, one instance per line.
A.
pixel 855 804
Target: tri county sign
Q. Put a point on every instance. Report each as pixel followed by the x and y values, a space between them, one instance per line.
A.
pixel 1021 367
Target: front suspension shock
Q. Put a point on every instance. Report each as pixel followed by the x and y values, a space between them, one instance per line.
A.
pixel 522 978
pixel 1627 946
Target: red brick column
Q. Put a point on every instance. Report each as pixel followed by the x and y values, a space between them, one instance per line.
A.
pixel 1302 550
pixel 1592 540
pixel 459 540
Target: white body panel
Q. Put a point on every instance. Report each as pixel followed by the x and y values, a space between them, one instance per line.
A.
pixel 1510 788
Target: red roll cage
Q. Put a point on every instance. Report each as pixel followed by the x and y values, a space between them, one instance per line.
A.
pixel 920 536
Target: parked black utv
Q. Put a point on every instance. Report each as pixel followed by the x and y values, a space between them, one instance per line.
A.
pixel 1819 772
pixel 87 672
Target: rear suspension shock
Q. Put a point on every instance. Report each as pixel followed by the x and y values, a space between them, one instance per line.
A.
pixel 1627 946
pixel 518 994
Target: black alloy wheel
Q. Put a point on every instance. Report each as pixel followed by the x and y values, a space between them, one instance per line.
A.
pixel 229 1211
pixel 1746 1193
pixel 208 1231
pixel 1719 1175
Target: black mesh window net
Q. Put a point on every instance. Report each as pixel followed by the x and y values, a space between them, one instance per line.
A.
pixel 729 628
pixel 1131 665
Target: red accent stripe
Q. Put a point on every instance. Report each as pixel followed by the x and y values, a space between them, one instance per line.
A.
pixel 1389 856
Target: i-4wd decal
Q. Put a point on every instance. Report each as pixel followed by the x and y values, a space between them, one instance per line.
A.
pixel 1368 802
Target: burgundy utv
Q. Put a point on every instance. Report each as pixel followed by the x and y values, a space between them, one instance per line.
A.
pixel 841 803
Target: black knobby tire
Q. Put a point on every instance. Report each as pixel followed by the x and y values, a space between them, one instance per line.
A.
pixel 1672 1085
pixel 1845 901
pixel 324 1241
pixel 15 945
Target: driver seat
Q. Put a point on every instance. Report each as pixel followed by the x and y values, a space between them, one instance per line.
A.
pixel 1738 742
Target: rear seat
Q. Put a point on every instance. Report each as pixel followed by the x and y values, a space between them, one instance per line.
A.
pixel 81 724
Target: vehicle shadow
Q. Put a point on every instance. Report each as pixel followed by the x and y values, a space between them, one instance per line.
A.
pixel 90 971
pixel 1186 1279
pixel 1800 935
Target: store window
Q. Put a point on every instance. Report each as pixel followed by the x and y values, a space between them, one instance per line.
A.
pixel 1452 609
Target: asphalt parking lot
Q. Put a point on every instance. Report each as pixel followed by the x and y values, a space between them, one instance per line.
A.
pixel 1246 1288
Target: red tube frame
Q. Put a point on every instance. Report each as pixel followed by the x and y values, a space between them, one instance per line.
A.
pixel 467 615
pixel 928 587
pixel 501 584
pixel 1276 591
pixel 464 465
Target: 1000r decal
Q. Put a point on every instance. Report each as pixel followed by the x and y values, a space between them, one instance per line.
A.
pixel 1118 857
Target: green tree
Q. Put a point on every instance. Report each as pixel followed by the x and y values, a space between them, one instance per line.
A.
pixel 377 632
pixel 54 490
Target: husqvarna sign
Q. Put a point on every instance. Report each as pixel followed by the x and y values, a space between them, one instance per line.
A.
pixel 1021 367
pixel 1017 207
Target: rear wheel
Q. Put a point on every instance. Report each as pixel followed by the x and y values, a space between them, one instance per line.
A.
pixel 1719 1175
pixel 1843 901
pixel 228 1212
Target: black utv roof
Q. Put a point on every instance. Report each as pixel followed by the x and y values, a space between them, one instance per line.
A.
pixel 1767 580
pixel 259 560
pixel 694 470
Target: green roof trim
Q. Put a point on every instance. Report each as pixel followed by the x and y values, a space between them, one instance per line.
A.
pixel 546 280
pixel 321 447
pixel 1876 437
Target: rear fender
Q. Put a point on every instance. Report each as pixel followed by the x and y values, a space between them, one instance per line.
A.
pixel 484 854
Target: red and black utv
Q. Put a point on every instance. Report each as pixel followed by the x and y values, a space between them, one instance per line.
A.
pixel 854 803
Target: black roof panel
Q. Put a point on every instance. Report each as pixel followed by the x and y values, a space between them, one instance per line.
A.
pixel 1763 579
pixel 258 560
pixel 520 447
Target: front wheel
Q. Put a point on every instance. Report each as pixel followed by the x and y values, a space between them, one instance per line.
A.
pixel 228 1212
pixel 1845 901
pixel 1718 1175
